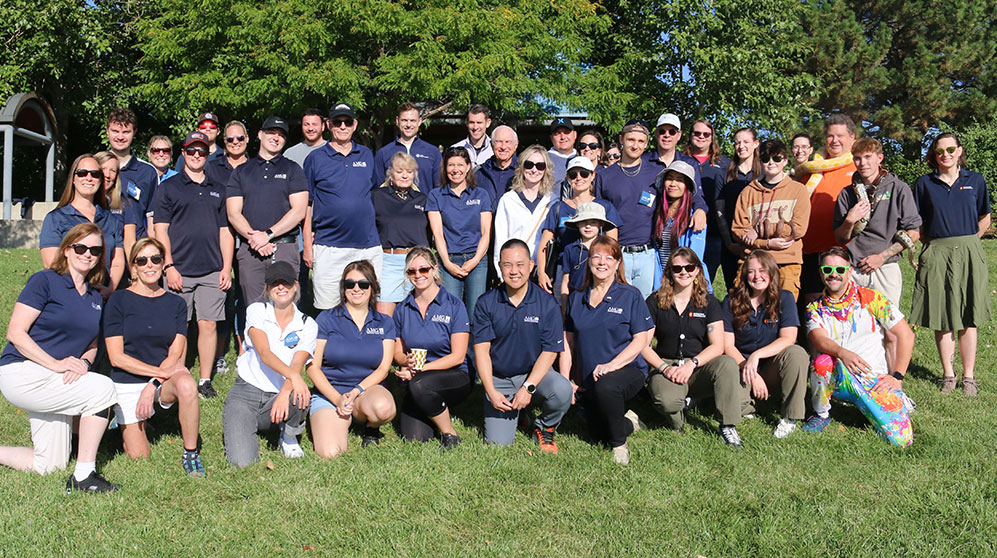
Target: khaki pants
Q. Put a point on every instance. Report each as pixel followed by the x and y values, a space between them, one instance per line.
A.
pixel 788 371
pixel 718 378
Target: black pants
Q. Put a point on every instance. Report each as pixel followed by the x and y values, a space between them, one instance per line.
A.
pixel 429 394
pixel 606 403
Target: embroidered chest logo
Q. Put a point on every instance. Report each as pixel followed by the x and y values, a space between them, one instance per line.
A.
pixel 95 306
pixel 472 202
pixel 421 156
pixel 697 315
pixel 440 319
pixel 362 164
pixel 215 194
pixel 614 310
pixel 281 176
pixel 531 319
pixel 375 331
pixel 419 207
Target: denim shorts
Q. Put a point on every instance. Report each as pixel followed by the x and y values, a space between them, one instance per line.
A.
pixel 320 403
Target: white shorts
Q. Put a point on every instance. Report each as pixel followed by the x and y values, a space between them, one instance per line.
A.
pixel 888 279
pixel 51 406
pixel 327 270
pixel 128 395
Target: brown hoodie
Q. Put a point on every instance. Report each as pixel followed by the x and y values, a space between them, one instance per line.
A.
pixel 783 211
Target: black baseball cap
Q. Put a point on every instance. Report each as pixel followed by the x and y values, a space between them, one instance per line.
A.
pixel 342 109
pixel 281 271
pixel 561 122
pixel 276 122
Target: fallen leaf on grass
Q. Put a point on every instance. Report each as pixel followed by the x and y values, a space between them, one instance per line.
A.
pixel 841 427
pixel 528 452
pixel 270 465
pixel 307 548
pixel 18 411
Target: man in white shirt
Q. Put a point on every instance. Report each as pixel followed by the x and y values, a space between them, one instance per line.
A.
pixel 477 143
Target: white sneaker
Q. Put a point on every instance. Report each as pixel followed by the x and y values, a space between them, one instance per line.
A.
pixel 784 428
pixel 633 418
pixel 621 455
pixel 292 450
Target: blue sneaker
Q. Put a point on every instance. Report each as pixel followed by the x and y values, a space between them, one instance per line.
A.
pixel 192 465
pixel 815 424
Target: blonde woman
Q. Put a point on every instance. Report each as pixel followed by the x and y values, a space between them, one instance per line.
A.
pixel 522 210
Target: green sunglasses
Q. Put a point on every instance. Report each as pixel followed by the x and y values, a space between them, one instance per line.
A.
pixel 836 269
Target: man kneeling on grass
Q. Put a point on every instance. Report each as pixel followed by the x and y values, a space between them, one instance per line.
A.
pixel 847 326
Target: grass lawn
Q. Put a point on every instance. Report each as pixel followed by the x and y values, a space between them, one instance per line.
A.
pixel 843 492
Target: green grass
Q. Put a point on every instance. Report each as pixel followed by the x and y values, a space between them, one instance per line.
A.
pixel 843 492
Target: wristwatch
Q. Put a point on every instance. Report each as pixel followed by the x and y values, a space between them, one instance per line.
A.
pixel 530 388
pixel 270 234
pixel 695 361
pixel 897 375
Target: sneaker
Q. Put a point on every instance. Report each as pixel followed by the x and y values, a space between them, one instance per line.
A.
pixel 93 484
pixel 371 437
pixel 291 450
pixel 948 385
pixel 449 441
pixel 690 403
pixel 621 455
pixel 784 428
pixel 749 416
pixel 816 424
pixel 731 437
pixel 221 367
pixel 969 387
pixel 633 418
pixel 192 464
pixel 206 390
pixel 545 438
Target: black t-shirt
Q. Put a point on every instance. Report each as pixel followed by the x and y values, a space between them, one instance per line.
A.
pixel 401 221
pixel 265 187
pixel 683 336
pixel 760 330
pixel 148 325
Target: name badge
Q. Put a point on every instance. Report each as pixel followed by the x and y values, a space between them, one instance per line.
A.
pixel 292 340
pixel 134 191
pixel 646 199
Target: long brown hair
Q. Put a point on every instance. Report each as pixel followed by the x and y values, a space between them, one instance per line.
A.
pixel 932 158
pixel 740 295
pixel 756 164
pixel 666 292
pixel 112 192
pixel 70 190
pixel 713 151
pixel 683 212
pixel 603 243
pixel 367 270
pixel 60 264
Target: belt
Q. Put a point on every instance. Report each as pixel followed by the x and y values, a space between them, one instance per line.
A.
pixel 397 250
pixel 634 248
pixel 289 238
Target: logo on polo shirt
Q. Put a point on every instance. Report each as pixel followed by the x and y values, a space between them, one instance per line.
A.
pixel 472 202
pixel 375 331
pixel 95 306
pixel 214 194
pixel 421 156
pixel 419 207
pixel 281 176
pixel 531 319
pixel 614 310
pixel 697 315
pixel 441 319
pixel 360 164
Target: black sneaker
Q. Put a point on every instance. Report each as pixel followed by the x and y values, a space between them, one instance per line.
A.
pixel 93 484
pixel 449 441
pixel 731 437
pixel 206 390
pixel 371 437
pixel 221 367
pixel 192 464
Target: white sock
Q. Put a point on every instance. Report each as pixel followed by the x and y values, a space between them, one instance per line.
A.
pixel 203 381
pixel 288 440
pixel 83 470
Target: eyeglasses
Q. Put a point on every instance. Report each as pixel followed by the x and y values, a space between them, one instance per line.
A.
pixel 207 125
pixel 82 173
pixel 689 268
pixel 583 146
pixel 950 149
pixel 350 283
pixel 412 272
pixel 337 122
pixel 797 148
pixel 573 173
pixel 527 165
pixel 698 134
pixel 234 139
pixel 668 131
pixel 81 249
pixel 773 158
pixel 156 259
pixel 835 269
pixel 613 156
pixel 200 151
pixel 160 150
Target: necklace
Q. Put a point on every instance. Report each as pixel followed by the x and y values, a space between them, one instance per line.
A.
pixel 632 174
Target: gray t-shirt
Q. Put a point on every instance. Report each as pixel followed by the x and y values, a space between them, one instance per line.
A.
pixel 893 209
pixel 298 152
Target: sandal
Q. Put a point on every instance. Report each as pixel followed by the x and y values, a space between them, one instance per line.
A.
pixel 969 387
pixel 948 384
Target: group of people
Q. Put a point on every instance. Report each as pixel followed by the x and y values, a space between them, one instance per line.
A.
pixel 567 274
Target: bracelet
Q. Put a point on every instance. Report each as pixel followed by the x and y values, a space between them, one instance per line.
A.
pixel 87 362
pixel 167 266
pixel 360 387
pixel 662 367
pixel 156 383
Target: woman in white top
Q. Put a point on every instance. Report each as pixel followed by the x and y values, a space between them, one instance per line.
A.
pixel 523 209
pixel 270 390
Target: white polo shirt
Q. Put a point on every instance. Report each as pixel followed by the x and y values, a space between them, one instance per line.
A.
pixel 299 336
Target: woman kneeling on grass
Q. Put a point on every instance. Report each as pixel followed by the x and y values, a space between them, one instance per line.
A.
pixel 145 329
pixel 760 323
pixel 44 368
pixel 269 390
pixel 356 344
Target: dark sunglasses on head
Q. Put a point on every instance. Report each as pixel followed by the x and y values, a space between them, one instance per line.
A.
pixel 92 172
pixel 613 156
pixel 159 150
pixel 668 132
pixel 835 269
pixel 698 134
pixel 593 146
pixel 774 158
pixel 156 259
pixel 530 164
pixel 337 122
pixel 941 150
pixel 689 268
pixel 350 283
pixel 411 272
pixel 232 139
pixel 191 151
pixel 573 173
pixel 81 249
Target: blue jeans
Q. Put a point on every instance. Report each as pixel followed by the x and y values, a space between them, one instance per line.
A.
pixel 553 393
pixel 639 268
pixel 470 288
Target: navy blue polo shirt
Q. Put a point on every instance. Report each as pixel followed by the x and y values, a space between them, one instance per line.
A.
pixel 445 316
pixel 494 180
pixel 713 176
pixel 634 198
pixel 219 170
pixel 148 326
pixel 68 321
pixel 730 191
pixel 559 214
pixel 351 353
pixel 685 335
pixel 265 187
pixel 574 260
pixel 195 213
pixel 58 222
pixel 182 161
pixel 952 211
pixel 518 334
pixel 426 155
pixel 601 333
pixel 761 331
pixel 401 217
pixel 461 216
pixel 339 190
pixel 698 202
pixel 139 180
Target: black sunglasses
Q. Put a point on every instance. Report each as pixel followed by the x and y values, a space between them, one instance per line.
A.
pixel 81 173
pixel 668 132
pixel 81 249
pixel 191 151
pixel 836 269
pixel 159 150
pixel 527 165
pixel 773 158
pixel 156 259
pixel 411 272
pixel 593 146
pixel 337 122
pixel 350 283
pixel 232 139
pixel 613 156
pixel 573 173
pixel 698 134
pixel 689 268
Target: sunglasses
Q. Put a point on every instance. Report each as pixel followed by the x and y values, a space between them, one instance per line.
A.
pixel 191 151
pixel 527 165
pixel 951 149
pixel 835 269
pixel 156 259
pixel 773 158
pixel 592 146
pixel 412 272
pixel 613 156
pixel 350 284
pixel 235 139
pixel 668 132
pixel 82 173
pixel 573 173
pixel 698 134
pixel 207 126
pixel 159 150
pixel 347 122
pixel 81 249
pixel 689 268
